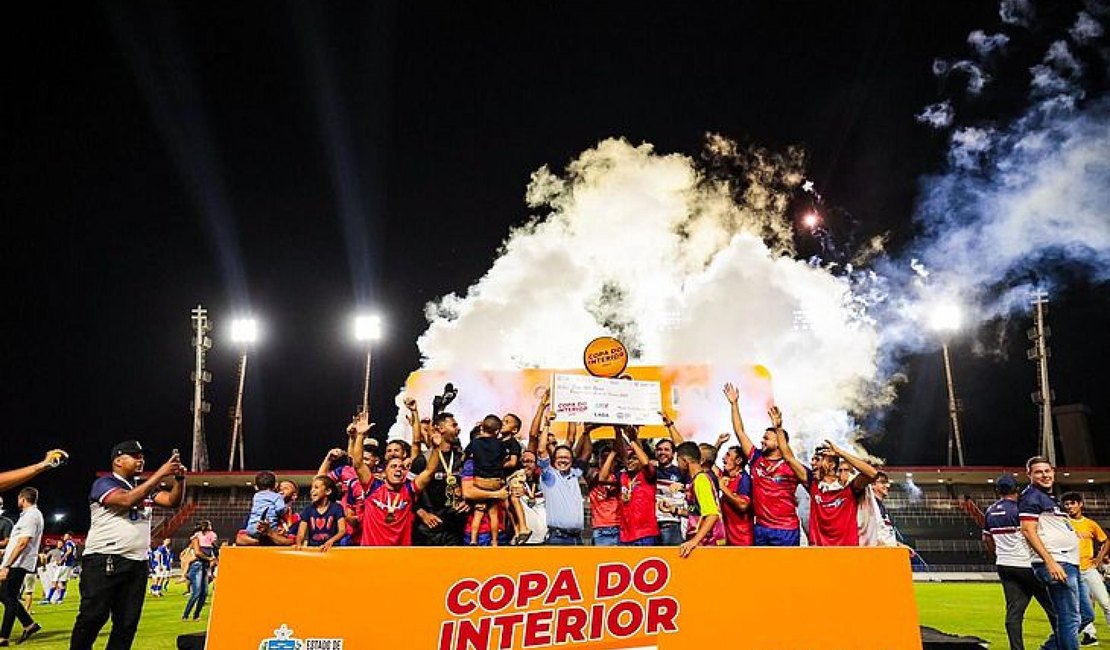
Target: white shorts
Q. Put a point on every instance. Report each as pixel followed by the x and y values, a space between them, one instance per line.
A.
pixel 62 573
pixel 28 586
pixel 161 572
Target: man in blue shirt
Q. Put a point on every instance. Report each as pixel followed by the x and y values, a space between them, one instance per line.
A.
pixel 559 479
pixel 1055 561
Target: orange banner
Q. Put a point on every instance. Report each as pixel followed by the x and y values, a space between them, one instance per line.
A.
pixel 611 598
pixel 691 395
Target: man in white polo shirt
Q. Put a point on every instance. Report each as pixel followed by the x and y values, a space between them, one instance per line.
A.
pixel 20 558
pixel 114 566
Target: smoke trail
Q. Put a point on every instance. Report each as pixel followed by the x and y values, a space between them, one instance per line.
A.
pixel 1019 202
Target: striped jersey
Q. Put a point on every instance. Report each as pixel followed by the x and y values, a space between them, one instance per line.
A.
pixel 1002 524
pixel 1053 525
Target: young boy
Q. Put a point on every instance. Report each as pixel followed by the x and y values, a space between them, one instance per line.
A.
pixel 267 505
pixel 490 455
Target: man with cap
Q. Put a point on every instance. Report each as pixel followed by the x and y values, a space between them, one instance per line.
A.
pixel 114 568
pixel 1013 557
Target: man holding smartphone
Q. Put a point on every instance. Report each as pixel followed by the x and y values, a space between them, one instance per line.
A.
pixel 114 568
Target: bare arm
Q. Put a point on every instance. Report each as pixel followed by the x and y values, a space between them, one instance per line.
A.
pixel 302 533
pixel 175 495
pixel 424 478
pixel 739 501
pixel 128 499
pixel 537 422
pixel 20 545
pixel 784 446
pixel 356 431
pixel 732 394
pixel 867 472
pixel 672 431
pixel 417 434
pixel 585 444
pixel 325 465
pixel 14 477
pixel 606 473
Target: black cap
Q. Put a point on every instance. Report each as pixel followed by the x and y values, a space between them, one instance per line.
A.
pixel 129 447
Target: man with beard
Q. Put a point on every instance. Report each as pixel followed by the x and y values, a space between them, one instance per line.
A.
pixel 670 488
pixel 389 504
pixel 776 474
pixel 440 508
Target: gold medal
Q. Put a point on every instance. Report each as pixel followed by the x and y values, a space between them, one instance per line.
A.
pixel 389 518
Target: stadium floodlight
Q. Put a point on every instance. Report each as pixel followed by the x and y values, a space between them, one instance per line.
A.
pixel 244 331
pixel 811 220
pixel 368 328
pixel 946 318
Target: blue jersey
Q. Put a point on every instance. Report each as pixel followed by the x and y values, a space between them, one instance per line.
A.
pixel 69 554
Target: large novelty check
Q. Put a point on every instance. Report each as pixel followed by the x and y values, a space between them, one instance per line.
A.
pixel 579 398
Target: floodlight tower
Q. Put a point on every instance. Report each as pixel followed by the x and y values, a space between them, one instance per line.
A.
pixel 1039 354
pixel 244 333
pixel 368 329
pixel 946 320
pixel 201 344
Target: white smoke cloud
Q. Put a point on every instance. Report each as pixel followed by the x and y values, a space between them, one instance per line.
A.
pixel 684 266
pixel 986 44
pixel 1016 12
pixel 1086 29
pixel 938 116
pixel 975 78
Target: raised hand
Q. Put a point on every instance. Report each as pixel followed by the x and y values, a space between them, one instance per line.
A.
pixel 545 399
pixel 722 438
pixel 667 422
pixel 776 417
pixel 732 394
pixel 410 403
pixel 362 423
pixel 56 457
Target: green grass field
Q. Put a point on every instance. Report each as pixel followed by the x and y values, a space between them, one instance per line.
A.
pixel 975 609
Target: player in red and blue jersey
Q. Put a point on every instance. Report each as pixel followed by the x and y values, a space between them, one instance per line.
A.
pixel 833 512
pixel 776 474
pixel 638 526
pixel 388 506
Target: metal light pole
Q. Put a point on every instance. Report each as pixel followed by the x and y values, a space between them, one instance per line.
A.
pixel 368 328
pixel 201 344
pixel 946 320
pixel 1039 354
pixel 244 332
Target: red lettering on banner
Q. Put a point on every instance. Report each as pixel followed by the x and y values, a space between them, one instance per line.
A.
pixel 597 621
pixel 566 586
pixel 474 635
pixel 501 584
pixel 537 629
pixel 658 568
pixel 606 586
pixel 532 585
pixel 570 625
pixel 635 619
pixel 506 625
pixel 454 597
pixel 661 615
pixel 446 635
pixel 476 604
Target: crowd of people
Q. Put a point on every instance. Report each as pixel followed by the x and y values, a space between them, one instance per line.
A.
pixel 511 487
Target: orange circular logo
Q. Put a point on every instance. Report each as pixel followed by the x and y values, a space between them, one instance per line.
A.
pixel 605 356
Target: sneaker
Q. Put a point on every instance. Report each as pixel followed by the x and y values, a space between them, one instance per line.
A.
pixel 28 632
pixel 1088 639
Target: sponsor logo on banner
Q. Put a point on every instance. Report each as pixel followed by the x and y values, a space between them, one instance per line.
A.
pixel 605 356
pixel 538 609
pixel 283 640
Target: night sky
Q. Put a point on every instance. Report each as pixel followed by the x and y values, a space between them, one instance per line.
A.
pixel 302 159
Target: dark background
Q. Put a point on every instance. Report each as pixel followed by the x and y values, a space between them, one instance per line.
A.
pixel 303 161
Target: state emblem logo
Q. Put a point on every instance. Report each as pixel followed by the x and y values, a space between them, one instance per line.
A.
pixel 282 640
